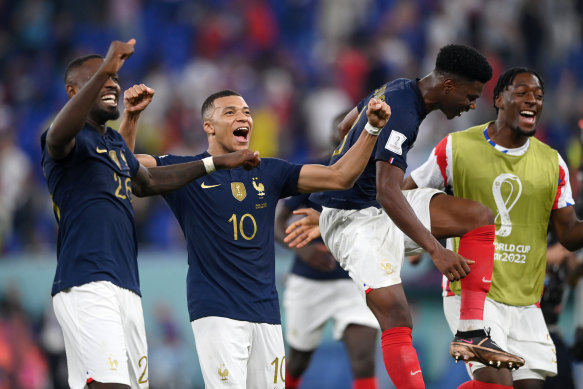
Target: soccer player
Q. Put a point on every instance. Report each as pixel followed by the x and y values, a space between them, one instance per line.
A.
pixel 318 290
pixel 228 222
pixel 526 184
pixel 370 242
pixel 91 175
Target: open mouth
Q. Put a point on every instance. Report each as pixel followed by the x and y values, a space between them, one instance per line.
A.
pixel 528 116
pixel 110 99
pixel 242 134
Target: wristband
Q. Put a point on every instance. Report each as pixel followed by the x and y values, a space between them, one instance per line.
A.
pixel 372 129
pixel 209 165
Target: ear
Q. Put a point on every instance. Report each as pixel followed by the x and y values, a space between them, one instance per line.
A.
pixel 208 127
pixel 71 90
pixel 448 85
pixel 498 102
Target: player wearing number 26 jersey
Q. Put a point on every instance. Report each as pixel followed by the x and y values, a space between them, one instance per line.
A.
pixel 104 167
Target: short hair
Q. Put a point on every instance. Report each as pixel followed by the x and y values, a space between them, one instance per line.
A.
pixel 463 61
pixel 507 78
pixel 209 102
pixel 77 62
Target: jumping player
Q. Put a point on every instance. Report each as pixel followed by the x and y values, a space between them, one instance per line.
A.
pixel 371 242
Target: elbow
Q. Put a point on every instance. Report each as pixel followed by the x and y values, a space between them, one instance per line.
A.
pixel 342 183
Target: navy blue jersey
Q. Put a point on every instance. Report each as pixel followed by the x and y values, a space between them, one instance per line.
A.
pixel 396 139
pixel 91 192
pixel 300 267
pixel 228 220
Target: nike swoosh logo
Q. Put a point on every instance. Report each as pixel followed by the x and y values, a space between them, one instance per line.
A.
pixel 205 186
pixel 467 341
pixel 485 280
pixel 415 372
pixel 100 151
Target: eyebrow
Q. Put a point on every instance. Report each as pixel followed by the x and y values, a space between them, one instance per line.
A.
pixel 234 107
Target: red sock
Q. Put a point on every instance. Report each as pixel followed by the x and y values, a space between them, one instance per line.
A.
pixel 292 382
pixel 477 245
pixel 365 383
pixel 482 385
pixel 401 358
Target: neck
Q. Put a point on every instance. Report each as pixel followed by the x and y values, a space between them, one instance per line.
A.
pixel 427 86
pixel 503 135
pixel 102 128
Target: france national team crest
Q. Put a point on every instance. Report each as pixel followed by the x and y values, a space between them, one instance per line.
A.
pixel 238 190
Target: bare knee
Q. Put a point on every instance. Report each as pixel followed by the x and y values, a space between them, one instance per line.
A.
pixel 483 215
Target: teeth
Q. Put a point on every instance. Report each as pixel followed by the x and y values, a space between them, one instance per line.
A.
pixel 529 113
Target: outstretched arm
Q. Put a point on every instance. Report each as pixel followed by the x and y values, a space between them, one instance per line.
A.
pixel 135 99
pixel 344 173
pixel 389 195
pixel 161 179
pixel 71 118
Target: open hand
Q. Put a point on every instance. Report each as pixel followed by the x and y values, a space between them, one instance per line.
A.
pixel 303 231
pixel 451 264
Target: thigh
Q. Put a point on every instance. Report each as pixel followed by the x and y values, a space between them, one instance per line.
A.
pixel 135 335
pixel 366 243
pixel 419 200
pixel 95 343
pixel 223 346
pixel 529 338
pixel 266 368
pixel 454 216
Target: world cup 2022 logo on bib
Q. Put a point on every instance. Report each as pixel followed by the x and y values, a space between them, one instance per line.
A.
pixel 506 189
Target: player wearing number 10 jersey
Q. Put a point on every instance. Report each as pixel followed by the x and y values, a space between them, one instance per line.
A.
pixel 228 222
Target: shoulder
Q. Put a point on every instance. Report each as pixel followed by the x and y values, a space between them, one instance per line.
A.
pixel 171 159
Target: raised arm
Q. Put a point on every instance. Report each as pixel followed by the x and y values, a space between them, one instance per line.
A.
pixel 344 173
pixel 82 96
pixel 135 99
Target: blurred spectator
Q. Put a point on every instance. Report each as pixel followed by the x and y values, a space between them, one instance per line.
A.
pixel 15 174
pixel 22 363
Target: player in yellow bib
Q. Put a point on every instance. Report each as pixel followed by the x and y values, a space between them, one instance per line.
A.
pixel 526 184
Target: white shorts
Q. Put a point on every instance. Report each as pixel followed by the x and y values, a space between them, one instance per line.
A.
pixel 309 304
pixel 368 244
pixel 239 354
pixel 105 336
pixel 518 330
